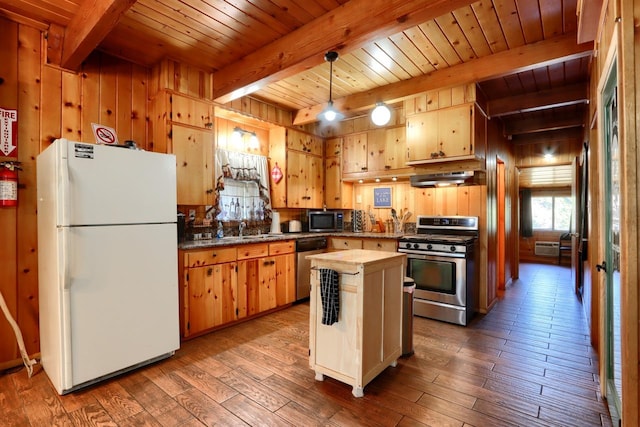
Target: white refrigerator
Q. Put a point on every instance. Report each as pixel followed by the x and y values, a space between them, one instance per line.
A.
pixel 107 261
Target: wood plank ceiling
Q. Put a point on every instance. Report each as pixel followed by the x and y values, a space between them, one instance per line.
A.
pixel 523 54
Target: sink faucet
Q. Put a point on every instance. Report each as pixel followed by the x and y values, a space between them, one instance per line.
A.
pixel 241 227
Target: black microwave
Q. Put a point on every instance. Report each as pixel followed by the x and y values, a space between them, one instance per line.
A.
pixel 322 221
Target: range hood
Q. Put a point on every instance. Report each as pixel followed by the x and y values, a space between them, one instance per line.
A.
pixel 445 178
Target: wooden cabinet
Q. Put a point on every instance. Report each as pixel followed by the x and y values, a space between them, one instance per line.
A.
pixel 367 338
pixel 345 243
pixel 354 153
pixel 209 289
pixel 223 285
pixel 193 149
pixel 305 179
pixel 299 156
pixel 184 126
pixel 304 142
pixel 443 134
pixel 374 154
pixel 337 193
pixel 267 272
pixel 388 245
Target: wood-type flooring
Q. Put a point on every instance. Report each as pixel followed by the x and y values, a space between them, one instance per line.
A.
pixel 526 363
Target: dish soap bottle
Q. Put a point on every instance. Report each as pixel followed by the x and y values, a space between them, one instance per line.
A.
pixel 220 232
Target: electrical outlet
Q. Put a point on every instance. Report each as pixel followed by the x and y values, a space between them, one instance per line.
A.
pixel 359 198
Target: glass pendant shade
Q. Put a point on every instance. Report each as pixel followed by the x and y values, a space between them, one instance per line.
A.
pixel 381 115
pixel 330 113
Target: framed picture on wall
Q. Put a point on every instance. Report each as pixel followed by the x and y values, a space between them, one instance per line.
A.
pixel 382 197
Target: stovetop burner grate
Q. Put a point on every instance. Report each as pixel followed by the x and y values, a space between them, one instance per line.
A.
pixel 435 238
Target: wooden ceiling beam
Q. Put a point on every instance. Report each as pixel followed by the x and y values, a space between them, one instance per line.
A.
pixel 554 137
pixel 541 100
pixel 344 29
pixel 88 27
pixel 512 61
pixel 541 124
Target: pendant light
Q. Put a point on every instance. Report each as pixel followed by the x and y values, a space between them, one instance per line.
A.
pixel 330 113
pixel 381 115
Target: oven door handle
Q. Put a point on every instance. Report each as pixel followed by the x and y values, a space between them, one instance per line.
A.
pixel 439 255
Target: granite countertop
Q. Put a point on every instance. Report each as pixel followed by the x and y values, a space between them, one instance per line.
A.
pixel 259 238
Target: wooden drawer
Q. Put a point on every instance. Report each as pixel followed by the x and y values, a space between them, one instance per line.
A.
pixel 278 248
pixel 253 251
pixel 345 243
pixel 211 256
pixel 388 245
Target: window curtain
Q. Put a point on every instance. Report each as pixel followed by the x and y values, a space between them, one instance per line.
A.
pixel 526 219
pixel 243 167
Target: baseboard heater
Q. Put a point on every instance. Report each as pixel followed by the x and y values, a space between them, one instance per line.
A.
pixel 547 248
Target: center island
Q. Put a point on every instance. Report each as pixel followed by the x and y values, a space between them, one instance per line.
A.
pixel 365 335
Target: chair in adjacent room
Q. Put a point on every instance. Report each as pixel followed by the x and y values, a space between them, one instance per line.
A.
pixel 564 247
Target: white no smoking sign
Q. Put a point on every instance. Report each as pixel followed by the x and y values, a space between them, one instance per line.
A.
pixel 104 134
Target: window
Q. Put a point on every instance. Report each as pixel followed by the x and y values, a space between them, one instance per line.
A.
pixel 551 212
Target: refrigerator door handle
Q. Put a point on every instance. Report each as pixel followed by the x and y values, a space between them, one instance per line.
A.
pixel 65 262
pixel 62 189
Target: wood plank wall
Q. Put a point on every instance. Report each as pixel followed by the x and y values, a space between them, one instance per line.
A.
pixel 52 103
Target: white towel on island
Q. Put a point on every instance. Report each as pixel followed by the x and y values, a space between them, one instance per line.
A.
pixel 330 295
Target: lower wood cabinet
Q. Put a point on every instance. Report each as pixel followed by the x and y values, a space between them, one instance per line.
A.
pixel 388 245
pixel 224 285
pixel 212 296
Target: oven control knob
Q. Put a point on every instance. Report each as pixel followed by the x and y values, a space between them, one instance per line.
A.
pixel 452 248
pixel 429 246
pixel 408 245
pixel 416 246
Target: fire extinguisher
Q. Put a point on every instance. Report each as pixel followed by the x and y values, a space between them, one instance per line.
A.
pixel 9 183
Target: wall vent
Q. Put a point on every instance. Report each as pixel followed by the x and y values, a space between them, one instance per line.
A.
pixel 547 248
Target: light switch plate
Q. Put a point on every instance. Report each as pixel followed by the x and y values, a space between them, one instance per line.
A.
pixel 359 198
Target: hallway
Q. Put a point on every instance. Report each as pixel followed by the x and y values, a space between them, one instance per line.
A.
pixel 527 363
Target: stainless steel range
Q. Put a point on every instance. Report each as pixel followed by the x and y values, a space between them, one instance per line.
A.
pixel 441 258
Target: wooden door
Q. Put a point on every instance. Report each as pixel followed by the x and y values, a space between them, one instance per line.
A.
pixel 314 184
pixel 376 151
pixel 248 282
pixel 201 302
pixel 296 179
pixel 266 283
pixel 333 181
pixel 354 153
pixel 285 271
pixel 454 131
pixel 422 136
pixel 225 293
pixel 192 112
pixel 193 149
pixel 395 148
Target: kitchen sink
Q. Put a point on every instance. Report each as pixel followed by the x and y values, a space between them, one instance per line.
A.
pixel 249 237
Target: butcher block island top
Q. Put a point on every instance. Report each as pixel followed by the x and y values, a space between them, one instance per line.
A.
pixel 356 342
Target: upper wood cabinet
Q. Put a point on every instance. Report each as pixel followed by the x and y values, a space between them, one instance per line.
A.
pixel 445 134
pixel 193 149
pixel 304 142
pixel 184 126
pixel 305 179
pixel 299 156
pixel 355 153
pixel 376 153
pixel 337 193
pixel 190 111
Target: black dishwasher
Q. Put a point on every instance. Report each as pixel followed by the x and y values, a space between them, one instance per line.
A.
pixel 306 246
